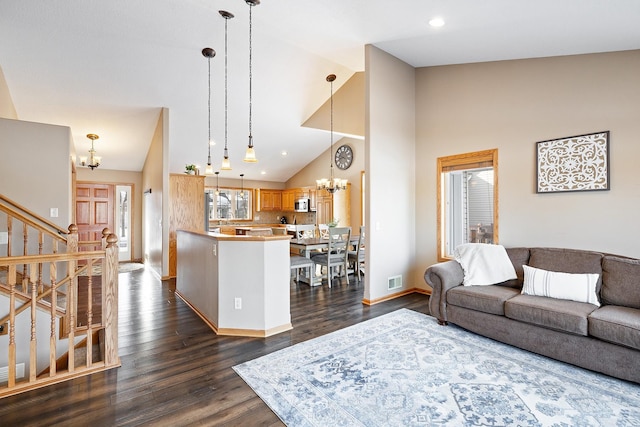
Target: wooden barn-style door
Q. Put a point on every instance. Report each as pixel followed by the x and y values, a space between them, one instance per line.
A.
pixel 94 212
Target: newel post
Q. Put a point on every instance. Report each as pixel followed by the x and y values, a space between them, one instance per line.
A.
pixel 105 233
pixel 72 239
pixel 110 301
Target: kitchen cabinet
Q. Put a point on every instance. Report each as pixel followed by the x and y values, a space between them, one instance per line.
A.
pixel 288 200
pixel 186 210
pixel 336 205
pixel 269 200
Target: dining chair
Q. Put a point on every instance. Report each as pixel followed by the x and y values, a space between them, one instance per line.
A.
pixel 297 262
pixel 356 257
pixel 323 231
pixel 337 252
pixel 305 231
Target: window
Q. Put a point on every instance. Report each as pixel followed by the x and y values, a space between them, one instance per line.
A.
pixel 467 200
pixel 229 203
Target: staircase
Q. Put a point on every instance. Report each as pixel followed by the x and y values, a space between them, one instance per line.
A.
pixel 58 318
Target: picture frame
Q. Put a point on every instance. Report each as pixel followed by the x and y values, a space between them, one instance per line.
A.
pixel 575 163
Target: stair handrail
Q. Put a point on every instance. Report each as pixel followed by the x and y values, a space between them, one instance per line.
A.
pixel 33 219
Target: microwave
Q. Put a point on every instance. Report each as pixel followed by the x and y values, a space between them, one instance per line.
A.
pixel 301 205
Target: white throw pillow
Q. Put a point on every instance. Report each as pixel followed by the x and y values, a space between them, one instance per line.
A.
pixel 484 264
pixel 569 286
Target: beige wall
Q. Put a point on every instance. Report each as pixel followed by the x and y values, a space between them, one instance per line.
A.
pixel 390 166
pixel 35 167
pixel 117 177
pixel 7 109
pixel 155 178
pixel 511 105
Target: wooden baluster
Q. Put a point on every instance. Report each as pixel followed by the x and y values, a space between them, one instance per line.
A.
pixel 72 247
pixel 9 234
pixel 33 351
pixel 11 277
pixel 54 304
pixel 89 314
pixel 40 245
pixel 110 301
pixel 25 252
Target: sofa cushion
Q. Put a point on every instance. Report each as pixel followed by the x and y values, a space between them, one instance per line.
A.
pixel 619 325
pixel 561 315
pixel 488 299
pixel 519 257
pixel 620 281
pixel 567 261
pixel 553 284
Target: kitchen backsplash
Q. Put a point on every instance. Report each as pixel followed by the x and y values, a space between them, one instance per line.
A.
pixel 275 217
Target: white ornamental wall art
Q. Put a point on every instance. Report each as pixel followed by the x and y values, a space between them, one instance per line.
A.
pixel 576 163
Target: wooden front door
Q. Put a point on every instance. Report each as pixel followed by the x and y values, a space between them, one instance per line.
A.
pixel 94 212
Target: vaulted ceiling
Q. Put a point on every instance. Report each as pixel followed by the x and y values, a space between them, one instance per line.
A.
pixel 107 67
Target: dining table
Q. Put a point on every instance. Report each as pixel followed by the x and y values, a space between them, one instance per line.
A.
pixel 307 247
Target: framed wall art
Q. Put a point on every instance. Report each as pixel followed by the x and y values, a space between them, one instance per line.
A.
pixel 575 163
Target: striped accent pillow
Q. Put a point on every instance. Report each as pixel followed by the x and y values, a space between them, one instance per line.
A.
pixel 574 287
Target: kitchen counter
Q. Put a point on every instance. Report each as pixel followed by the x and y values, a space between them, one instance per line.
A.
pixel 238 284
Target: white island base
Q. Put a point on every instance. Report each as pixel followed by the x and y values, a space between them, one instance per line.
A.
pixel 239 285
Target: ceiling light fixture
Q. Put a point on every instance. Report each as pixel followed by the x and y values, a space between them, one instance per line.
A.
pixel 226 163
pixel 250 155
pixel 332 184
pixel 94 161
pixel 436 22
pixel 209 53
pixel 242 186
pixel 217 183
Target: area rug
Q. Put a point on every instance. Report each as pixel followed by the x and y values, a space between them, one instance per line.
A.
pixel 403 369
pixel 123 267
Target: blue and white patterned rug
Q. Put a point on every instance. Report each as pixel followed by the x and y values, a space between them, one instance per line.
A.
pixel 403 369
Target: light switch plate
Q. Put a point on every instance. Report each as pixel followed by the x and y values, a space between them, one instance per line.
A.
pixel 53 212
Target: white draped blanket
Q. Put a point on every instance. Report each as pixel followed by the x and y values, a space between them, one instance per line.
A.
pixel 484 264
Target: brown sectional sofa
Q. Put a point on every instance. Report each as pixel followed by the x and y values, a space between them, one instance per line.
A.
pixel 604 339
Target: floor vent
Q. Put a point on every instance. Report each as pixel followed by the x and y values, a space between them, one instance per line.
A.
pixel 395 282
pixel 4 372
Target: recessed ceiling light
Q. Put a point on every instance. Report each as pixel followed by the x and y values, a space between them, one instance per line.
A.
pixel 284 152
pixel 436 22
pixel 263 173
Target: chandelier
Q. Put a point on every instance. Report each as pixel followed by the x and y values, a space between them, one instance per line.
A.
pixel 250 155
pixel 209 53
pixel 94 161
pixel 332 184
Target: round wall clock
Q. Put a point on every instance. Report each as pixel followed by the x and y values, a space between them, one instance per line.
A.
pixel 344 157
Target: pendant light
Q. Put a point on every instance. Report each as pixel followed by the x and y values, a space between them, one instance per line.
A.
pixel 242 186
pixel 226 163
pixel 250 155
pixel 332 184
pixel 93 161
pixel 217 183
pixel 209 53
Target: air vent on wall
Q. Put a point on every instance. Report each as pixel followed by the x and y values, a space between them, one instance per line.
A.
pixel 395 282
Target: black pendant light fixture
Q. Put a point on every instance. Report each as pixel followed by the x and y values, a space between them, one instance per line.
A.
pixel 217 183
pixel 209 53
pixel 226 163
pixel 250 155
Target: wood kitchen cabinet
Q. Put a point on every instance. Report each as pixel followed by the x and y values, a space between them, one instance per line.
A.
pixel 186 210
pixel 288 200
pixel 268 200
pixel 336 205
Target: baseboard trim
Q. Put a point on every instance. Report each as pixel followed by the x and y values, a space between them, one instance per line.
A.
pixel 396 295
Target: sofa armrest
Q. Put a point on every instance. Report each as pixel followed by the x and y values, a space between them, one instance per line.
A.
pixel 442 277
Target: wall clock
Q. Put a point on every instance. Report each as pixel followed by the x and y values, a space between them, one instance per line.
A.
pixel 344 157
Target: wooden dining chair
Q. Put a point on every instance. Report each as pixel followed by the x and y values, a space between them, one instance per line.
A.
pixel 337 252
pixel 305 231
pixel 356 257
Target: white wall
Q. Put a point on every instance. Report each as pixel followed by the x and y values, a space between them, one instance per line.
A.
pixel 511 105
pixel 35 167
pixel 390 166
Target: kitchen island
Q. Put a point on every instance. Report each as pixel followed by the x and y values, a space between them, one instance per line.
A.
pixel 239 285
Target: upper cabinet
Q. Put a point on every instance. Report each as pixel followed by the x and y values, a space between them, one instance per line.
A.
pixel 268 200
pixel 288 200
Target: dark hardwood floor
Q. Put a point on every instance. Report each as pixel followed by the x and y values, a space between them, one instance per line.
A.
pixel 176 372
